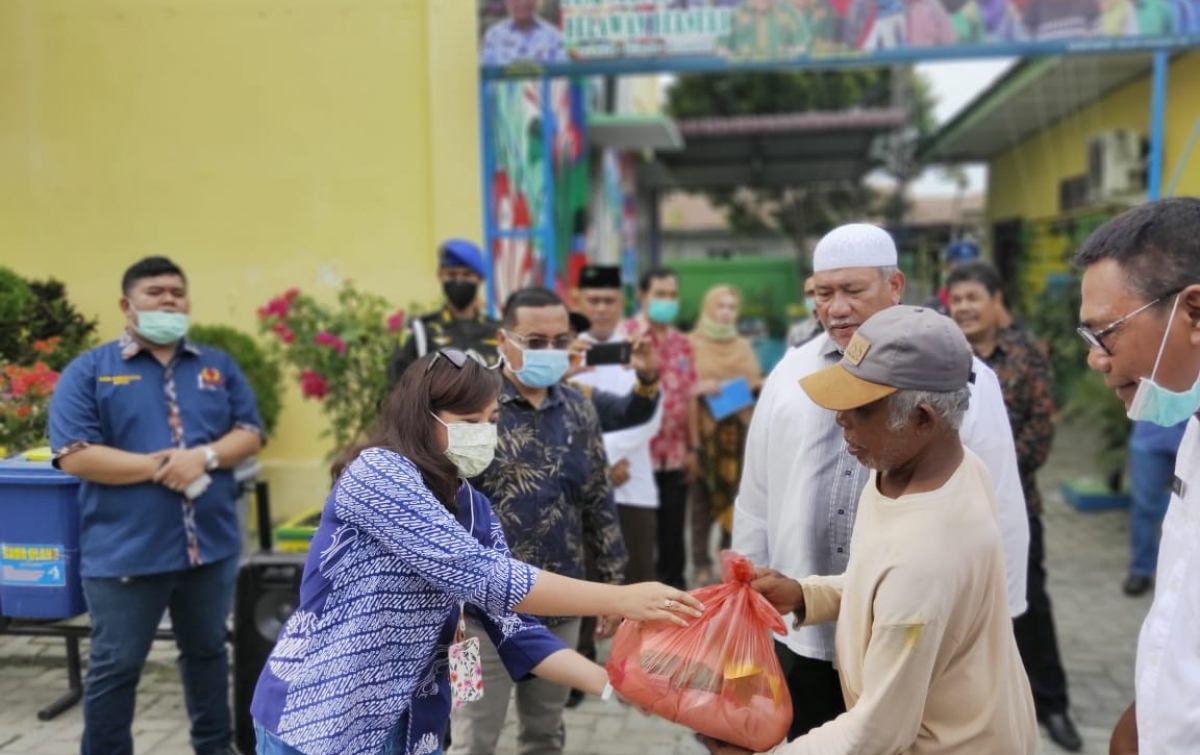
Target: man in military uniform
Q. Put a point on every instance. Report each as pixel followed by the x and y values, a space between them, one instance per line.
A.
pixel 461 323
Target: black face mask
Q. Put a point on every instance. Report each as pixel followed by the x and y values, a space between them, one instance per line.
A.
pixel 460 294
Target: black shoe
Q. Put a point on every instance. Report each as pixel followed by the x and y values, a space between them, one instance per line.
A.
pixel 1137 584
pixel 575 698
pixel 1062 731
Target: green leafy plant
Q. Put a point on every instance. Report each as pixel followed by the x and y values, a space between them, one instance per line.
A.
pixel 260 365
pixel 36 311
pixel 1079 391
pixel 1094 405
pixel 338 353
pixel 1054 320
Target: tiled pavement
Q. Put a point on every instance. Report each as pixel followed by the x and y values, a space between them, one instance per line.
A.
pixel 1086 561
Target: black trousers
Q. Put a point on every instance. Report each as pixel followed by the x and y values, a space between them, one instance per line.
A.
pixel 587 625
pixel 672 519
pixel 637 528
pixel 815 688
pixel 1036 637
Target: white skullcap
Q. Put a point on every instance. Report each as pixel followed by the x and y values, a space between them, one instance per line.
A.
pixel 854 245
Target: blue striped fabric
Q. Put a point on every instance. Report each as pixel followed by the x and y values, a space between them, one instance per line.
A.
pixel 388 565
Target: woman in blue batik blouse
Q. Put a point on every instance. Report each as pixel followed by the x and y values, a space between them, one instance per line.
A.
pixel 404 544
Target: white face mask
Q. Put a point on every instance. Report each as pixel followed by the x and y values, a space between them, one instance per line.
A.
pixel 471 446
pixel 1153 403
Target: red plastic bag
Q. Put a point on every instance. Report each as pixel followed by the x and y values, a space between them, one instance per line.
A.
pixel 719 676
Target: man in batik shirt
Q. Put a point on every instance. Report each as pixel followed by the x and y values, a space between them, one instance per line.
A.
pixel 549 488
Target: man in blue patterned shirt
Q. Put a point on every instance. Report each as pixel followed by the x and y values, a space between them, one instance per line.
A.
pixel 521 36
pixel 549 488
pixel 154 425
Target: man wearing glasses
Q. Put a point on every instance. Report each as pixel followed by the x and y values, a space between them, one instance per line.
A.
pixel 1140 314
pixel 549 488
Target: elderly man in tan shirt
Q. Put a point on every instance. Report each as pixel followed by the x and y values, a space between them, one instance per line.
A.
pixel 925 647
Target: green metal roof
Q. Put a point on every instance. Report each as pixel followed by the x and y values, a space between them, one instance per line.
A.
pixel 1034 94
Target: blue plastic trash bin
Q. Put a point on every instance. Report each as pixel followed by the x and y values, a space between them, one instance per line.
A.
pixel 39 541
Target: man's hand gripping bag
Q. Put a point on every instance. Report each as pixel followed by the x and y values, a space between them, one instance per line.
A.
pixel 719 676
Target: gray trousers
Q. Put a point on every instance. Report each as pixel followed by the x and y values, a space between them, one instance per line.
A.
pixel 475 727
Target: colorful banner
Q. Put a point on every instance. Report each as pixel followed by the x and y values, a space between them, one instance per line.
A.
pixel 528 37
pixel 526 211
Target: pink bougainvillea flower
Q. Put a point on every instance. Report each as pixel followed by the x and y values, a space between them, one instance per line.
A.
pixel 279 307
pixel 325 338
pixel 312 385
pixel 290 295
pixel 287 336
pixel 396 321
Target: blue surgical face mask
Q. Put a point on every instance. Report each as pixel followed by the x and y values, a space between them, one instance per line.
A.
pixel 662 311
pixel 541 368
pixel 161 327
pixel 1153 403
pixel 810 306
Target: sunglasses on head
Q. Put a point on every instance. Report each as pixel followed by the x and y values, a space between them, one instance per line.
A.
pixel 458 358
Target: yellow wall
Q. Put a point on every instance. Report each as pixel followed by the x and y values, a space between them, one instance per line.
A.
pixel 1023 181
pixel 259 143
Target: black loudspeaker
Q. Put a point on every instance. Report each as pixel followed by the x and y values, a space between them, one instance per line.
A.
pixel 268 591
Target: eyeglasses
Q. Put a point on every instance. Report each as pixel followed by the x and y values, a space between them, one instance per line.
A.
pixel 537 343
pixel 1095 338
pixel 458 358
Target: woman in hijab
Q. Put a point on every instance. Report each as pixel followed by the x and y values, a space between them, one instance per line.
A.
pixel 721 355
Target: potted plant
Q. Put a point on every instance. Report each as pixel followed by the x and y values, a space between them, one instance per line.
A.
pixel 1084 397
pixel 1094 405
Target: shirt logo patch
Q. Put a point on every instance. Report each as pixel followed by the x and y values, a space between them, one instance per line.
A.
pixel 857 349
pixel 119 379
pixel 210 379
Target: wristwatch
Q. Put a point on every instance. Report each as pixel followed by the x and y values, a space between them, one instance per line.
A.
pixel 211 460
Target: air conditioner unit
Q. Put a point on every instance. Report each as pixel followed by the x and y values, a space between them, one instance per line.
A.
pixel 1115 165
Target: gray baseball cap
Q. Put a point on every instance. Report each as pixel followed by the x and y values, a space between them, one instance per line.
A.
pixel 899 347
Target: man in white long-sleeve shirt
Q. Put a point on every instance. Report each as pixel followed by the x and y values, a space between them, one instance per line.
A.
pixel 798 498
pixel 1140 314
pixel 601 302
pixel 630 468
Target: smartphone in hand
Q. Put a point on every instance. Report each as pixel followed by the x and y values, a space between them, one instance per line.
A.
pixel 608 353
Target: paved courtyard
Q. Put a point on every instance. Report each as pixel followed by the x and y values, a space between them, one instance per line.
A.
pixel 1086 562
